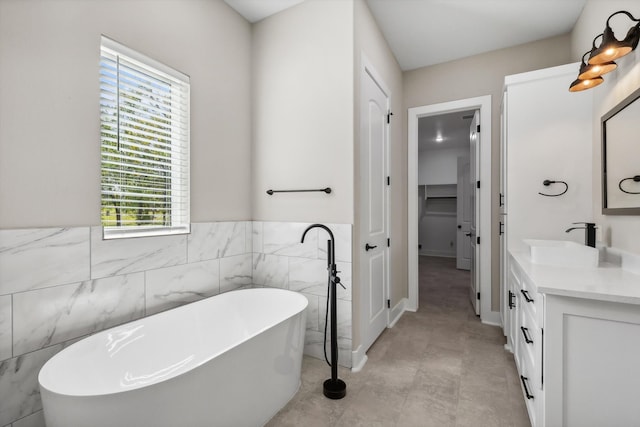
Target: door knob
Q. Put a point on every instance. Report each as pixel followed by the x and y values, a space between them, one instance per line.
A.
pixel 459 226
pixel 467 234
pixel 368 246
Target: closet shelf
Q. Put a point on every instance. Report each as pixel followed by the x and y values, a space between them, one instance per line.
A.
pixel 438 213
pixel 439 191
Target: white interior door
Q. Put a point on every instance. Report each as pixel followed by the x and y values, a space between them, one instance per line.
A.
pixel 374 199
pixel 463 214
pixel 474 163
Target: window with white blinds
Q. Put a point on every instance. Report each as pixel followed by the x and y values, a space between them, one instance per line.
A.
pixel 144 134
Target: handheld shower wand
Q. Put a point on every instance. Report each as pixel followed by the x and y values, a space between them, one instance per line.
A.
pixel 333 388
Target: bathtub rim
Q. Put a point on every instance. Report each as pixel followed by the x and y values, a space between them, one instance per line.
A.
pixel 301 312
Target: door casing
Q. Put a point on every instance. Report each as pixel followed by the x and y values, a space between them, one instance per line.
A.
pixel 483 103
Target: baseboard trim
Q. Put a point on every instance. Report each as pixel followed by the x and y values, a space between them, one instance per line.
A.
pixel 439 254
pixel 358 359
pixel 397 311
pixel 491 318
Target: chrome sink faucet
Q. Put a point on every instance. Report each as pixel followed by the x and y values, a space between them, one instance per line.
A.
pixel 589 234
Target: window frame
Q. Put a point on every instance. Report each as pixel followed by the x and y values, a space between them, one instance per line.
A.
pixel 179 192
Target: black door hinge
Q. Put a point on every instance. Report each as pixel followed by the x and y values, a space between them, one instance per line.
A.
pixel 388 303
pixel 478 295
pixel 501 230
pixel 478 128
pixel 388 180
pixel 477 184
pixel 478 240
pixel 388 242
pixel 389 114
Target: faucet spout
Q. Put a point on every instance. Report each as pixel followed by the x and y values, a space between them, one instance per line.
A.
pixel 324 227
pixel 589 234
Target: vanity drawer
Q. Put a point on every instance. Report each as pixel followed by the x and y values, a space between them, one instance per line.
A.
pixel 529 393
pixel 531 300
pixel 529 369
pixel 528 338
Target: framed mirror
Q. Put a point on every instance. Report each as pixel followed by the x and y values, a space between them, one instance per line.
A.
pixel 621 158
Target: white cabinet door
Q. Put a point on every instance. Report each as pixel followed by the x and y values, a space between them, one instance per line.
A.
pixel 591 363
pixel 546 131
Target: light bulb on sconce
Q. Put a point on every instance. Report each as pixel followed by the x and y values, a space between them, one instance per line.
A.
pixel 439 139
pixel 580 85
pixel 591 71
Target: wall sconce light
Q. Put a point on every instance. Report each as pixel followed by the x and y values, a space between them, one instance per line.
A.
pixel 589 70
pixel 601 58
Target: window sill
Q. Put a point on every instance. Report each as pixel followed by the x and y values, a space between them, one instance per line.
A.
pixel 112 233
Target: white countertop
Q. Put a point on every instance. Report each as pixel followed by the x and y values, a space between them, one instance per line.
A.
pixel 608 282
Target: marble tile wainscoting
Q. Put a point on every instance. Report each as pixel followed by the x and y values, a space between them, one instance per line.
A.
pixel 280 260
pixel 58 285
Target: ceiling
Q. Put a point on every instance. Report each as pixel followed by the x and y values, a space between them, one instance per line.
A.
pixel 428 32
pixel 255 10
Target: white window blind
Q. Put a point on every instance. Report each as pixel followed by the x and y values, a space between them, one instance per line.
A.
pixel 144 134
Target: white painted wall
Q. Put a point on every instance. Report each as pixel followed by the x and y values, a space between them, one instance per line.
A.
pixel 618 231
pixel 437 167
pixel 302 78
pixel 450 81
pixel 49 108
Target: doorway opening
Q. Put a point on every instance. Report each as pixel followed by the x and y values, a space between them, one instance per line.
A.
pixel 482 205
pixel 446 192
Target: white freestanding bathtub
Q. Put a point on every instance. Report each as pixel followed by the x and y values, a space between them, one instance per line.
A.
pixel 229 360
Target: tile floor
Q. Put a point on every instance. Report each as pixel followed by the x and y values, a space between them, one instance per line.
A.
pixel 437 367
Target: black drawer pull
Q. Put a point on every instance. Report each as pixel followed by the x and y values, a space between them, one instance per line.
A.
pixel 526 295
pixel 526 388
pixel 525 335
pixel 511 302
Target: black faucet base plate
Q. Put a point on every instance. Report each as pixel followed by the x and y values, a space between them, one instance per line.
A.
pixel 335 389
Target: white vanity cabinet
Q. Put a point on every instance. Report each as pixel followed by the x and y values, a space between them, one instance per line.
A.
pixel 575 333
pixel 526 339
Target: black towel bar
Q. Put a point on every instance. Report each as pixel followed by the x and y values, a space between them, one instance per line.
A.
pixel 324 190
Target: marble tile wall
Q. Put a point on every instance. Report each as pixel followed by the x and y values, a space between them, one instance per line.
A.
pixel 280 260
pixel 58 285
